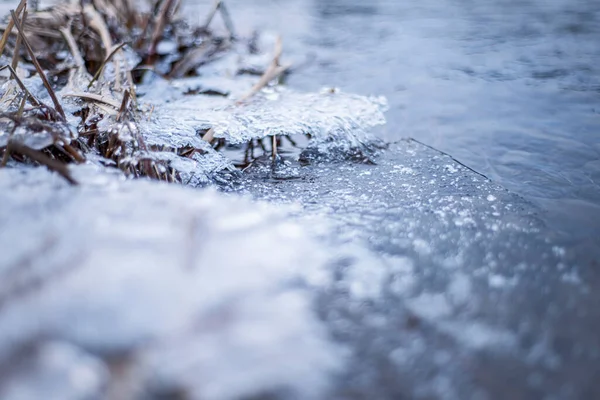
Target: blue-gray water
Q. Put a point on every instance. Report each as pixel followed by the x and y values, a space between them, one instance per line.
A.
pixel 510 88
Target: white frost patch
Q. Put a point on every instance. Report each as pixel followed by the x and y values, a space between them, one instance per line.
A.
pixel 460 289
pixel 437 309
pixel 450 168
pixel 204 290
pixel 430 306
pixel 422 247
pixel 477 335
pixel 401 169
pixel 498 281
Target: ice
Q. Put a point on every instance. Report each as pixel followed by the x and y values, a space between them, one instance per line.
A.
pixel 327 115
pixel 122 268
pixel 444 245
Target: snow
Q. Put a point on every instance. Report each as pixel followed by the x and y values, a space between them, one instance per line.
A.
pixel 119 268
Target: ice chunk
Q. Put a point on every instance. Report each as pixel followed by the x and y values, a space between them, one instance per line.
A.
pixel 325 115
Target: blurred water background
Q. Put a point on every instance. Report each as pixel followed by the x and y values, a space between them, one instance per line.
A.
pixel 510 88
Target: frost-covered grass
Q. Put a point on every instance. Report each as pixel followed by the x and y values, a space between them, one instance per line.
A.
pixel 141 90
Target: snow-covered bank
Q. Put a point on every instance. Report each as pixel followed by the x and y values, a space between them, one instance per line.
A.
pixel 146 288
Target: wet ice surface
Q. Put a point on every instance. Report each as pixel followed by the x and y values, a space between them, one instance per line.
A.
pixel 472 293
pixel 138 280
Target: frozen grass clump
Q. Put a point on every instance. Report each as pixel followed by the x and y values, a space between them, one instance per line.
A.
pixel 139 89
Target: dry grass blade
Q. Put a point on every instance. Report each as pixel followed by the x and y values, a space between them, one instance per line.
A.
pixel 79 61
pixel 114 51
pixel 193 59
pixel 220 6
pixel 165 12
pixel 96 98
pixel 10 25
pixel 227 19
pixel 15 61
pixel 274 70
pixel 34 101
pixel 124 105
pixel 43 159
pixel 209 135
pixel 38 67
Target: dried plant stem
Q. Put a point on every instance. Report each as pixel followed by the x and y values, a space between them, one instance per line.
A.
pixel 220 6
pixel 124 105
pixel 274 70
pixel 95 97
pixel 39 69
pixel 43 159
pixel 66 32
pixel 106 61
pixel 10 25
pixel 97 23
pixel 166 9
pixel 209 135
pixel 274 147
pixel 34 101
pixel 15 60
pixel 72 152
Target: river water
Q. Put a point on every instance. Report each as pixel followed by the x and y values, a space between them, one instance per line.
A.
pixel 510 88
